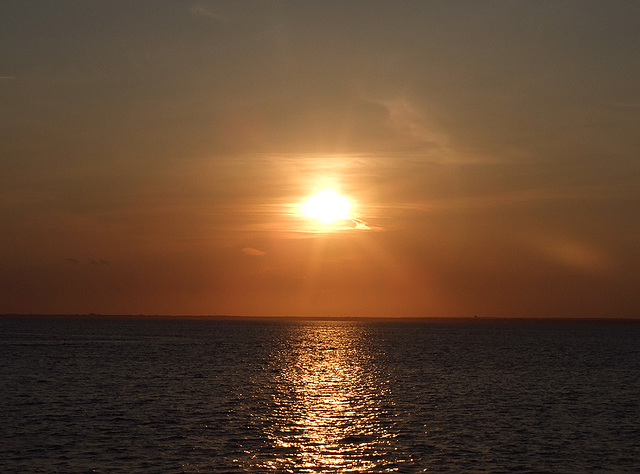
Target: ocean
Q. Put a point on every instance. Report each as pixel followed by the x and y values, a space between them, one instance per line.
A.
pixel 123 395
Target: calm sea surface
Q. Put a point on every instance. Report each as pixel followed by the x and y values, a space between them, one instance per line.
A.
pixel 135 395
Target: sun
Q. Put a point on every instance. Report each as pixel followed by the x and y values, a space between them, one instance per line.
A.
pixel 327 207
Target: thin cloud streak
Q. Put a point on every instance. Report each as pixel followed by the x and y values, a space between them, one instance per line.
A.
pixel 202 11
pixel 253 252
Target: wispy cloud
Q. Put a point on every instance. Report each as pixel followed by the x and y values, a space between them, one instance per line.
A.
pixel 360 224
pixel 253 252
pixel 580 256
pixel 202 11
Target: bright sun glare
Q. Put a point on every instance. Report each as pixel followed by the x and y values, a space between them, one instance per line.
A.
pixel 327 207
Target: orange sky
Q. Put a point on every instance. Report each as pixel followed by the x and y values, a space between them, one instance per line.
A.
pixel 155 156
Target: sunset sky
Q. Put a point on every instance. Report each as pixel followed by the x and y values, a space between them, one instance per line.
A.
pixel 155 157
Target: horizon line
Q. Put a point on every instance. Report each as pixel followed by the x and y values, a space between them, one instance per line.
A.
pixel 323 318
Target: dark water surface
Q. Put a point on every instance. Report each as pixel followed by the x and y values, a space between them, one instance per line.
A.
pixel 135 395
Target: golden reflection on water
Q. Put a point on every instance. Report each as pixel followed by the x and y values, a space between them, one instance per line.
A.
pixel 331 405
